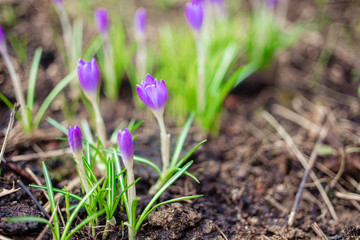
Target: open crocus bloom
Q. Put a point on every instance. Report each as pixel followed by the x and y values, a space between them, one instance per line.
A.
pixel 152 93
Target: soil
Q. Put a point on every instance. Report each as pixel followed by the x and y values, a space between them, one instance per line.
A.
pixel 250 173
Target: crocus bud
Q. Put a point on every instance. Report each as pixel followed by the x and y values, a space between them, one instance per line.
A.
pixel 102 20
pixel 58 1
pixel 152 93
pixel 140 21
pixel 194 14
pixel 126 147
pixel 271 3
pixel 88 74
pixel 2 41
pixel 75 141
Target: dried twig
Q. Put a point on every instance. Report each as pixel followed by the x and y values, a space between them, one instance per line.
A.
pixel 10 126
pixel 318 231
pixel 348 196
pixel 217 227
pixel 322 135
pixel 34 199
pixel 35 156
pixel 295 150
pixel 73 183
pixel 276 204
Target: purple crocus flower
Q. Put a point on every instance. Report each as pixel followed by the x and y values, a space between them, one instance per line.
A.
pixel 152 93
pixel 88 74
pixel 126 147
pixel 271 3
pixel 140 21
pixel 194 14
pixel 102 20
pixel 58 1
pixel 75 140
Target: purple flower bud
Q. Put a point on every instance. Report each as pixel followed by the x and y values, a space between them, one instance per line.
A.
pixel 194 14
pixel 58 1
pixel 102 20
pixel 152 93
pixel 140 21
pixel 75 140
pixel 126 147
pixel 271 3
pixel 88 74
pixel 2 41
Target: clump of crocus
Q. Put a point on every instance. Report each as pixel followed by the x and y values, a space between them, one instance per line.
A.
pixel 141 53
pixel 88 74
pixel 15 80
pixel 153 93
pixel 75 142
pixel 194 12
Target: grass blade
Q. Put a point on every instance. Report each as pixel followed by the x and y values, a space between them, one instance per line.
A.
pixel 73 215
pixel 61 85
pixel 32 79
pixel 50 191
pixel 181 140
pixel 57 125
pixel 27 219
pixel 158 194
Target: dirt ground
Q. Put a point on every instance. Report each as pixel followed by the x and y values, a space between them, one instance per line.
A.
pixel 305 106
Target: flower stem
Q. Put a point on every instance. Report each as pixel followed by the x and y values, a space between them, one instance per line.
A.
pixel 100 126
pixel 165 154
pixel 201 91
pixel 140 58
pixel 165 144
pixel 82 173
pixel 18 91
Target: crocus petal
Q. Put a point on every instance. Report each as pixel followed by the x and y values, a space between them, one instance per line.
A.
pixel 102 20
pixel 143 96
pixel 162 94
pixel 70 138
pixel 151 92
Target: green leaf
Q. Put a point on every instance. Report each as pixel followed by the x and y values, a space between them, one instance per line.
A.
pixel 65 236
pixel 52 95
pixel 32 80
pixel 84 222
pixel 181 140
pixel 57 125
pixel 190 153
pixel 50 191
pixel 27 219
pixel 158 194
pixel 149 163
pixel 58 191
pixel 172 201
